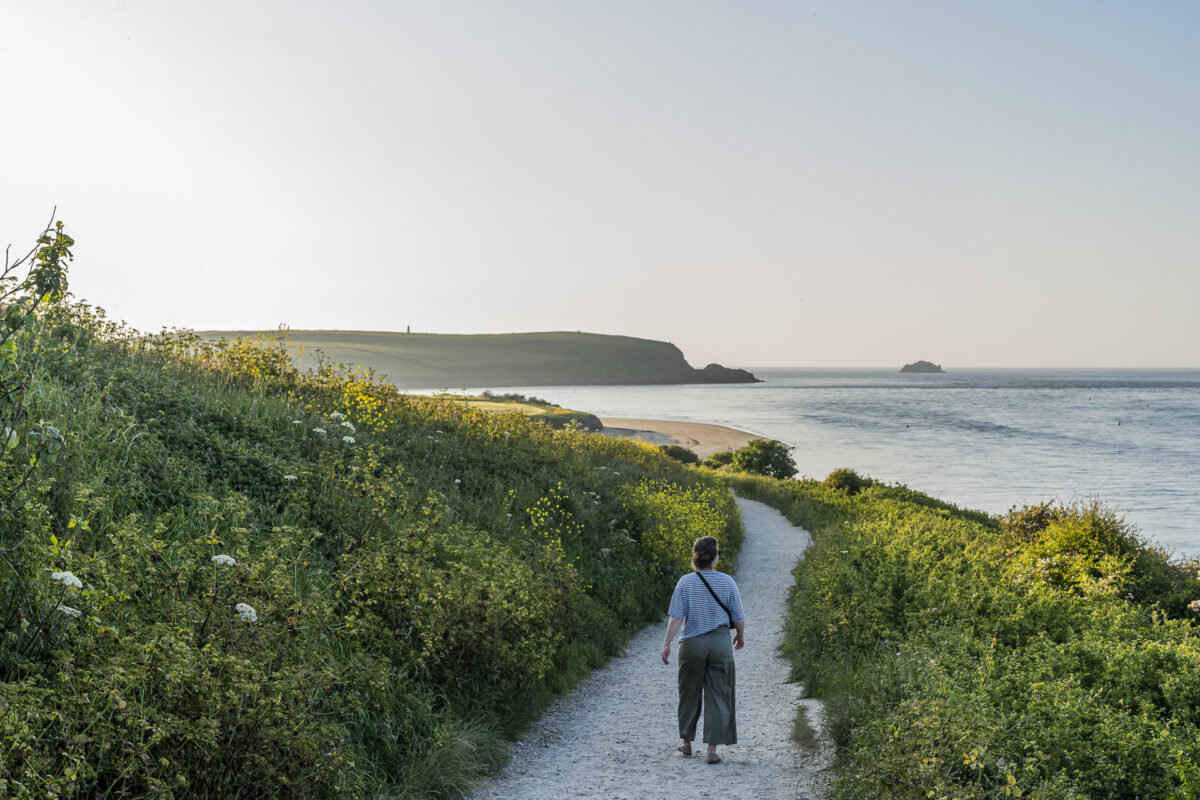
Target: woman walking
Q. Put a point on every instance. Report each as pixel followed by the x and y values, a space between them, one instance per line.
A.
pixel 706 603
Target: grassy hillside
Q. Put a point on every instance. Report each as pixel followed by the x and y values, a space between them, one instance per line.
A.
pixel 1050 654
pixel 224 577
pixel 531 407
pixel 428 360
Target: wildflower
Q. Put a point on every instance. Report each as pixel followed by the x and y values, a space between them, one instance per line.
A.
pixel 349 426
pixel 224 560
pixel 247 613
pixel 456 480
pixel 348 439
pixel 66 579
pixel 70 612
pixel 289 477
pixel 1194 605
pixel 335 416
pixel 319 430
pixel 297 422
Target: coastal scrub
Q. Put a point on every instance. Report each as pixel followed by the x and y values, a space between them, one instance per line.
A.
pixel 227 577
pixel 1048 653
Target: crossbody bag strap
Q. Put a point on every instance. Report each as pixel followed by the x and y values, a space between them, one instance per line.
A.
pixel 714 594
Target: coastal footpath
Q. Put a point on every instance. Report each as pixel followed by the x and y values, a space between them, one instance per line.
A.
pixel 614 737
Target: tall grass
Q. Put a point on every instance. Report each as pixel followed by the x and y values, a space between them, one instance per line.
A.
pixel 304 584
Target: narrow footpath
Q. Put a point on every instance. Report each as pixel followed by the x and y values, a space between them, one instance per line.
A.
pixel 614 737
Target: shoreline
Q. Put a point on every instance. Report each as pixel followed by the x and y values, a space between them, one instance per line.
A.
pixel 702 438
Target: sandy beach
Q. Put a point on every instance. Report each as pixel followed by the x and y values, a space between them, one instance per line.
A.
pixel 701 437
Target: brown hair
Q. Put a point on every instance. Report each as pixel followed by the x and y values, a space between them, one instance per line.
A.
pixel 704 552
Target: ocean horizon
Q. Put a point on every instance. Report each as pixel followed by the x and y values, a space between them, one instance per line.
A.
pixel 982 438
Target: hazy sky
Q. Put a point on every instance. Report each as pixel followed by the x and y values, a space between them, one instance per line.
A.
pixel 763 184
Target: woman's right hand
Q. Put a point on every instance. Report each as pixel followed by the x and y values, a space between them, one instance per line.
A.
pixel 666 654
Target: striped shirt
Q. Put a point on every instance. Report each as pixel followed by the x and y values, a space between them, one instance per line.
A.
pixel 692 603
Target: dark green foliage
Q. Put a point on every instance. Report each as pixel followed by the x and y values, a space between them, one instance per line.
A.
pixel 515 397
pixel 764 457
pixel 680 453
pixel 719 460
pixel 848 481
pixel 1050 654
pixel 417 578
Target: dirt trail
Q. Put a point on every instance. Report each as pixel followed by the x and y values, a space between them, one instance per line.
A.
pixel 614 737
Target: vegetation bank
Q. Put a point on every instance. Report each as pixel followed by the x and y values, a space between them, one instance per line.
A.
pixel 221 576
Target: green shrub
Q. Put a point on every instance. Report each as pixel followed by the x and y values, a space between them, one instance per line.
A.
pixel 764 457
pixel 719 460
pixel 684 455
pixel 848 481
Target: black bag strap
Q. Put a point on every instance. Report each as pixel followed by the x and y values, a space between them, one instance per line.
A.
pixel 714 594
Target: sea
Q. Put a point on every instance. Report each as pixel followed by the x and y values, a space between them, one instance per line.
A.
pixel 986 439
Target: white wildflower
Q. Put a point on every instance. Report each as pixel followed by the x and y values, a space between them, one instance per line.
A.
pixel 456 480
pixel 66 579
pixel 319 430
pixel 224 560
pixel 289 477
pixel 297 422
pixel 348 426
pixel 70 612
pixel 348 439
pixel 1194 605
pixel 335 416
pixel 247 613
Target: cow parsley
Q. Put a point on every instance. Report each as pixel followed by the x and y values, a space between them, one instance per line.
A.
pixel 66 579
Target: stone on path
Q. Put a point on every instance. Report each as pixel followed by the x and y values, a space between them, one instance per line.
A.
pixel 614 737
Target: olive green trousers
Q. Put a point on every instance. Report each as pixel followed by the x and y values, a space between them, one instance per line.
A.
pixel 706 679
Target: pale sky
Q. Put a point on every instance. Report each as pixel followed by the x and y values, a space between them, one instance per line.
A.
pixel 763 184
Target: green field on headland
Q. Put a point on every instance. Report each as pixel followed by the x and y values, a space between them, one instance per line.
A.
pixel 223 577
pixel 431 360
pixel 1050 654
pixel 532 407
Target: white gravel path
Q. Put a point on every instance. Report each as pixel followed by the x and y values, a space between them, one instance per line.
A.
pixel 614 737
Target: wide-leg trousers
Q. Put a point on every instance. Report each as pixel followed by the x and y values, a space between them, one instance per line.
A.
pixel 706 677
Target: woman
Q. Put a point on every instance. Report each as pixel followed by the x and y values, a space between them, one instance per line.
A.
pixel 705 653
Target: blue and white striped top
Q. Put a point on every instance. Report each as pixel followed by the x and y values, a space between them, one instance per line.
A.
pixel 692 603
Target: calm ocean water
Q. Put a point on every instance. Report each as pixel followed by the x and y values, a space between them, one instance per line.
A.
pixel 986 439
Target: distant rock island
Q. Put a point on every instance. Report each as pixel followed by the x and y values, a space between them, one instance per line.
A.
pixel 435 360
pixel 922 366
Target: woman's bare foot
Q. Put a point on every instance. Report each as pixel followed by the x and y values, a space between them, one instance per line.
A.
pixel 685 748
